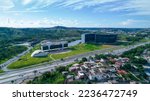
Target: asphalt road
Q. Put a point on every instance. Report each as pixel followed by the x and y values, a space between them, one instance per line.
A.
pixel 18 76
pixel 22 74
pixel 10 61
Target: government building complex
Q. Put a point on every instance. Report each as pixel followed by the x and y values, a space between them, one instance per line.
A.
pixel 47 46
pixel 85 38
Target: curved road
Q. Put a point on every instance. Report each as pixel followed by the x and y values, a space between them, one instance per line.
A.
pixel 4 65
pixel 18 76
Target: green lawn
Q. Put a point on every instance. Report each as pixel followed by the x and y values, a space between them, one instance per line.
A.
pixel 145 40
pixel 1 71
pixel 79 49
pixel 27 60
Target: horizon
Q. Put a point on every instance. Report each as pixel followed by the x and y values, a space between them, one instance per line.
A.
pixel 75 13
pixel 75 27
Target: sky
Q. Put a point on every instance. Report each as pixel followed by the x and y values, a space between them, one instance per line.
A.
pixel 75 13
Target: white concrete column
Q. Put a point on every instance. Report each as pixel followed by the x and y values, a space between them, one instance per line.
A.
pixel 49 46
pixel 62 46
pixel 83 38
pixel 42 47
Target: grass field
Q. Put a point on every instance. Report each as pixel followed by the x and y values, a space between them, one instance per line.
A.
pixel 27 60
pixel 1 71
pixel 79 49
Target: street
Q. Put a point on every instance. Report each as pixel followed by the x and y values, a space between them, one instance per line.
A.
pixel 17 76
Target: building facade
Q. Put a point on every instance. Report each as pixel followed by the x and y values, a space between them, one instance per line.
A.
pixel 47 46
pixel 99 38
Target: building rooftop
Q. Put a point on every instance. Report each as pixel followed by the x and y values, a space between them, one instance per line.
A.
pixel 47 42
pixel 100 33
pixel 36 52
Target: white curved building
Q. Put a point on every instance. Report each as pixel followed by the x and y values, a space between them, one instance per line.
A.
pixel 39 53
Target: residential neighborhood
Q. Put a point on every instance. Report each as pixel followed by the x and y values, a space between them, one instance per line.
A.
pixel 108 71
pixel 41 36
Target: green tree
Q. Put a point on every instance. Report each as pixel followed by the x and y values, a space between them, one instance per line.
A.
pixel 84 59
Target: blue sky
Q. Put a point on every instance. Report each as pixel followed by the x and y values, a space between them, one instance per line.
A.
pixel 75 13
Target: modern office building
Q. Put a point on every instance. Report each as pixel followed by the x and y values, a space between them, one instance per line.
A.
pixel 47 45
pixel 88 38
pixel 85 38
pixel 99 38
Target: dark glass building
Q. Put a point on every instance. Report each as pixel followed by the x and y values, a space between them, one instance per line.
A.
pixel 99 38
pixel 105 38
pixel 90 38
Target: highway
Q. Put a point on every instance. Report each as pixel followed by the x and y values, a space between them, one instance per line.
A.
pixel 19 75
pixel 22 74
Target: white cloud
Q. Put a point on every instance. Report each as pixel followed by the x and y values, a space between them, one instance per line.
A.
pixel 131 7
pixel 128 22
pixel 134 7
pixel 45 22
pixel 134 23
pixel 38 4
pixel 79 4
pixel 142 7
pixel 25 11
pixel 26 2
pixel 69 3
pixel 6 4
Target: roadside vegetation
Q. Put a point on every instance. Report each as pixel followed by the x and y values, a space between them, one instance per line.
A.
pixel 136 52
pixel 1 71
pixel 55 77
pixel 27 60
pixel 136 63
pixel 49 78
pixel 125 39
pixel 7 52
